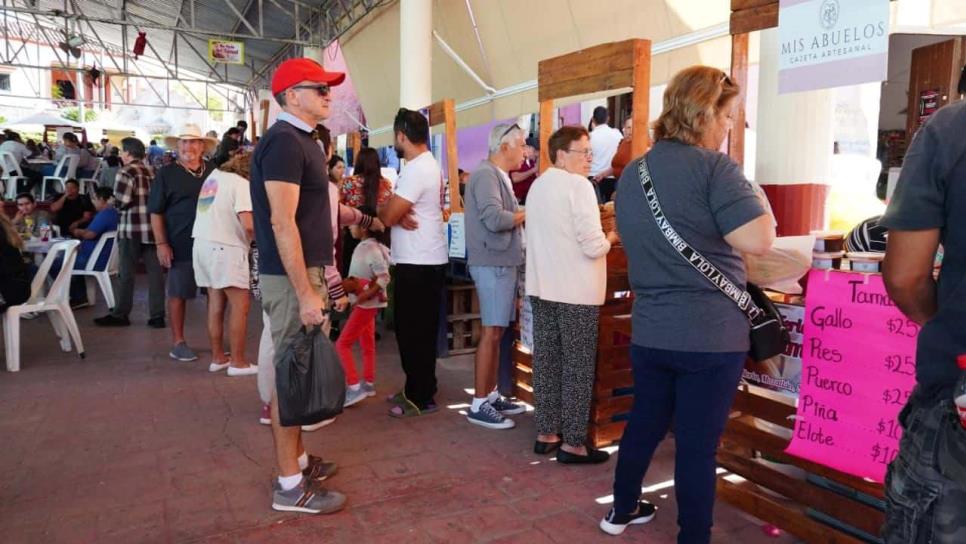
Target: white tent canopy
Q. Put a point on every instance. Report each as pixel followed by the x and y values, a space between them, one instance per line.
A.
pixel 503 40
pixel 42 119
pixel 513 37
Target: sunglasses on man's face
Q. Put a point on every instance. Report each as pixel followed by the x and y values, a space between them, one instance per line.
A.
pixel 323 89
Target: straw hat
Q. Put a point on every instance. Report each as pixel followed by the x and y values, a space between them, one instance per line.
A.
pixel 191 132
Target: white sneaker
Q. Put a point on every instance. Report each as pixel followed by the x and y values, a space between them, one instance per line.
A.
pixel 215 367
pixel 249 370
pixel 317 426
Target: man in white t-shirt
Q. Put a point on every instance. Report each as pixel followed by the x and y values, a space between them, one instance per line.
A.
pixel 604 140
pixel 222 234
pixel 420 253
pixel 15 146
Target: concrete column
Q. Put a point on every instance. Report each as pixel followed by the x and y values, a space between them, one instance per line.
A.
pixel 794 146
pixel 415 53
pixel 314 53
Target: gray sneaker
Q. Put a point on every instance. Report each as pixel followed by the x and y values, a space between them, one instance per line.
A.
pixel 369 388
pixel 353 396
pixel 309 497
pixel 182 352
pixel 318 469
pixel 488 417
pixel 506 407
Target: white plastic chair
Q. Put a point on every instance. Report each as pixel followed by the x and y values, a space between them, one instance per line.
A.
pixel 88 185
pixel 12 173
pixel 103 277
pixel 56 303
pixel 61 174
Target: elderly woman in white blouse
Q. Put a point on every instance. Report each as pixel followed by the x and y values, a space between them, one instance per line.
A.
pixel 566 283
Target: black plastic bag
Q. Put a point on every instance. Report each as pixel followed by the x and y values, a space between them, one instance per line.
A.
pixel 309 380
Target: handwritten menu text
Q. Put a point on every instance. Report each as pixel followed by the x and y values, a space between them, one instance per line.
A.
pixel 858 370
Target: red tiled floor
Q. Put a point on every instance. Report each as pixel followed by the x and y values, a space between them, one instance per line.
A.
pixel 129 446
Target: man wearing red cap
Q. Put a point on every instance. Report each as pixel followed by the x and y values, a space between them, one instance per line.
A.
pixel 290 201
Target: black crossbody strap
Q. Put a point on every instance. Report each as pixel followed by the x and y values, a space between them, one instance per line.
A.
pixel 739 295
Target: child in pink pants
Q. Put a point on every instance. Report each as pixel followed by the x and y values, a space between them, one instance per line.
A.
pixel 366 284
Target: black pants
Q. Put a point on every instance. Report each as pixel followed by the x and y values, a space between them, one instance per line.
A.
pixel 607 187
pixel 33 179
pixel 418 292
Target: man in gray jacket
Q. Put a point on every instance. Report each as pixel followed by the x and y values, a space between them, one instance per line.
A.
pixel 494 246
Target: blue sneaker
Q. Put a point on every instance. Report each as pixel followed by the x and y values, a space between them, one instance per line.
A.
pixel 353 396
pixel 506 407
pixel 488 417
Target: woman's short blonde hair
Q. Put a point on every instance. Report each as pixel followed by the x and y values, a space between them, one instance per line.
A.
pixel 692 99
pixel 240 164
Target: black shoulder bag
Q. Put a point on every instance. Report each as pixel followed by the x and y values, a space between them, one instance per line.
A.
pixel 768 336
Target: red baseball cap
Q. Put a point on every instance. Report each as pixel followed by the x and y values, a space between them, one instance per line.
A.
pixel 293 71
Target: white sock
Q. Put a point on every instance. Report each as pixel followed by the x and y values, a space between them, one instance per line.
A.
pixel 304 461
pixel 477 402
pixel 356 387
pixel 493 396
pixel 289 483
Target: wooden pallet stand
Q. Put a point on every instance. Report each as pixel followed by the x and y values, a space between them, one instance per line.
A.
pixel 745 442
pixel 613 380
pixel 463 318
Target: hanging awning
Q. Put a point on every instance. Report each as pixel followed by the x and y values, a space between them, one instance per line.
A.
pixel 515 36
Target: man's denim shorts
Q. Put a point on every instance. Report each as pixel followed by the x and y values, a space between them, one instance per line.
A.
pixel 496 287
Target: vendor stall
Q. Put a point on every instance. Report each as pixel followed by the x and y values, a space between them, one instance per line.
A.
pixel 607 67
pixel 813 430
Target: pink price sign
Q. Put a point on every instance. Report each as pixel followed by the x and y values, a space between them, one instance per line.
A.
pixel 858 370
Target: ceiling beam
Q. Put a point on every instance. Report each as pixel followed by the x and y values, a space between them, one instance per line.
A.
pixel 59 14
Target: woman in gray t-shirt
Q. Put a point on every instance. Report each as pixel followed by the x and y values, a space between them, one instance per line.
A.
pixel 689 339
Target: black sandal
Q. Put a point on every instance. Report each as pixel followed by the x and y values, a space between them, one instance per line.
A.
pixel 593 457
pixel 543 448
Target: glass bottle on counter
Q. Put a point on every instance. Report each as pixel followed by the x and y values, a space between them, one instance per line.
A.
pixel 28 227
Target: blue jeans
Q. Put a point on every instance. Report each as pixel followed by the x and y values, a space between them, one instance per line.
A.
pixel 926 485
pixel 696 390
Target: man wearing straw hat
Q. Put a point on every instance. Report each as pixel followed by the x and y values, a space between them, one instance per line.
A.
pixel 172 205
pixel 293 231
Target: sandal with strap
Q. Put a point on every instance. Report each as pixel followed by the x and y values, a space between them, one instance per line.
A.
pixel 398 398
pixel 405 409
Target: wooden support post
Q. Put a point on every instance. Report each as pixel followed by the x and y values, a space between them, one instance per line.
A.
pixel 546 129
pixel 444 113
pixel 354 142
pixel 253 127
pixel 739 75
pixel 640 101
pixel 452 161
pixel 265 107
